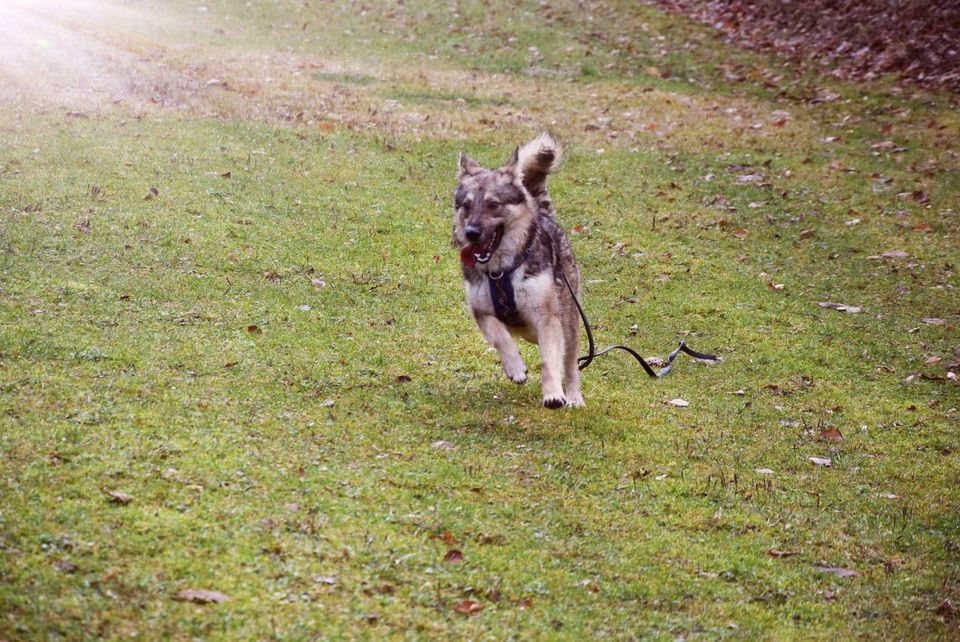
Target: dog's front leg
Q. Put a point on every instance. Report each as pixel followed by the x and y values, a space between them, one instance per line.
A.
pixel 571 371
pixel 550 340
pixel 499 337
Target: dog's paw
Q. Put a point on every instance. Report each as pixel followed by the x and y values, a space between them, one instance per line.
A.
pixel 517 375
pixel 554 402
pixel 576 402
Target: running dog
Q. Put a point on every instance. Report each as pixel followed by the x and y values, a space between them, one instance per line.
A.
pixel 515 257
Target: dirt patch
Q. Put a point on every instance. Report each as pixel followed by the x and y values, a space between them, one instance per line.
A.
pixel 859 39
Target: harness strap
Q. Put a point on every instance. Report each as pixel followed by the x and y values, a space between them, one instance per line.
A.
pixel 587 359
pixel 501 293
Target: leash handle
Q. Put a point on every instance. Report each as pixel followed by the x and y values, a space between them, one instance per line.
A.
pixel 587 359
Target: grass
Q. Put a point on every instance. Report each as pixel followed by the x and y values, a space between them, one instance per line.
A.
pixel 271 356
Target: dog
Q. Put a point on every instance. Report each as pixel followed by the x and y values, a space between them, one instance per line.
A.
pixel 514 257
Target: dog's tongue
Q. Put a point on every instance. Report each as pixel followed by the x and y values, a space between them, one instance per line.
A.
pixel 467 255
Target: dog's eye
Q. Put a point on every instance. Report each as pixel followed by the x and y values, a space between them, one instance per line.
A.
pixel 494 205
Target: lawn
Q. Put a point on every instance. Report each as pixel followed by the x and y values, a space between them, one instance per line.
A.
pixel 234 354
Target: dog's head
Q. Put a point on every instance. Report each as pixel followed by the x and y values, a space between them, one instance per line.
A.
pixel 493 212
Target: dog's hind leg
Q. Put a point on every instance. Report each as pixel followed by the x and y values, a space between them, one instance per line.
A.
pixel 499 337
pixel 550 340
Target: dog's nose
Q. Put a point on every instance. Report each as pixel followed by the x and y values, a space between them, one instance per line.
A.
pixel 472 232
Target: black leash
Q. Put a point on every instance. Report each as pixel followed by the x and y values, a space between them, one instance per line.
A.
pixel 588 359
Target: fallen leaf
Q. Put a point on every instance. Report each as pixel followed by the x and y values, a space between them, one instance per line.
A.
pixel 65 566
pixel 806 234
pixel 763 471
pixel 152 194
pixel 200 596
pixel 327 403
pixel 443 445
pixel 945 608
pixel 852 222
pixel 404 378
pixel 775 553
pixel 447 538
pixel 888 496
pixel 923 227
pixel 842 307
pixel 117 497
pixel 680 403
pixel 895 254
pixel 777 287
pixel 453 555
pixel 325 579
pixel 839 572
pixel 932 361
pixel 821 461
pixel 590 585
pixel 225 174
pixel 933 321
pixel 831 434
pixel 254 329
pixel 887 144
pixel 468 607
pixel 740 233
pixel 739 393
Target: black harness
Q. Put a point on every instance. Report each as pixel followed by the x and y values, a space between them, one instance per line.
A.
pixel 501 293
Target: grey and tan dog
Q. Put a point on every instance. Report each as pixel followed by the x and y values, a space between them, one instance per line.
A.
pixel 514 257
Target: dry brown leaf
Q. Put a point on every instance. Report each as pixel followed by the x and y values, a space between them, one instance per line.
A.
pixel 453 555
pixel 839 572
pixel 117 497
pixel 680 403
pixel 468 607
pixel 842 307
pixel 776 553
pixel 200 596
pixel 831 434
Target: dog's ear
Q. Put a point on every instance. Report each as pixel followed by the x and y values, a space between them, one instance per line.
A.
pixel 467 167
pixel 511 166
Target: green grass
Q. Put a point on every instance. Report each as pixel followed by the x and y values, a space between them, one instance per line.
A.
pixel 266 360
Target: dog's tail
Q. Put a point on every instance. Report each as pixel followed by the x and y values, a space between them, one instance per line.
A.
pixel 536 160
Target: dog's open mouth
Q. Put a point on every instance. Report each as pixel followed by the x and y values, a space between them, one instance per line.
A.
pixel 474 253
